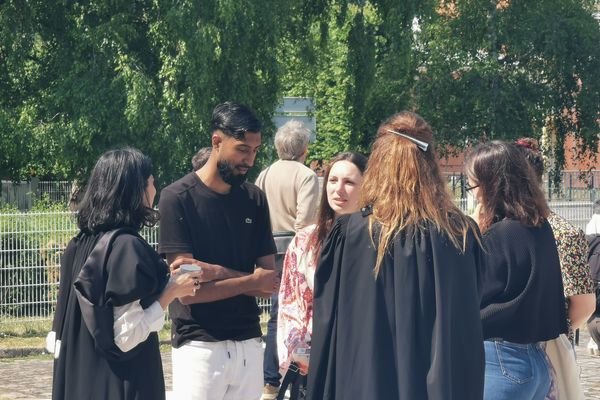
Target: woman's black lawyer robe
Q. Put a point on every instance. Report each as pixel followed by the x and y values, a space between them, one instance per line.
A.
pixel 412 333
pixel 88 368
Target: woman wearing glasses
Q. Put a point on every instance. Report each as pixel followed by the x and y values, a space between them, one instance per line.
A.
pixel 396 307
pixel 521 286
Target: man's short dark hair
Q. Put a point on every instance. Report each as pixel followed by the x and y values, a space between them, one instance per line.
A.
pixel 234 120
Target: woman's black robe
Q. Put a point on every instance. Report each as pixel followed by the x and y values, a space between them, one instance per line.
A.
pixel 90 366
pixel 412 333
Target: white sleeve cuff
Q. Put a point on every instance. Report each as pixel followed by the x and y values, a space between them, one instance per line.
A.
pixel 155 316
pixel 133 324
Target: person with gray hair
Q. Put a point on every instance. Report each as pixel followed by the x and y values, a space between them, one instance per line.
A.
pixel 292 191
pixel 291 140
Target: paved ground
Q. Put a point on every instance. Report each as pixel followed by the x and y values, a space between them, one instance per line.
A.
pixel 590 368
pixel 32 378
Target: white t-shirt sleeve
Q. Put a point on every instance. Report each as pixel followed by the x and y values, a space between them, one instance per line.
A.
pixel 133 324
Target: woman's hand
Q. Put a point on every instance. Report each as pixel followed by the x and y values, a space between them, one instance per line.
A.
pixel 185 283
pixel 181 284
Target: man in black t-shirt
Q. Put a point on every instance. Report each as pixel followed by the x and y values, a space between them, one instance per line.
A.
pixel 214 216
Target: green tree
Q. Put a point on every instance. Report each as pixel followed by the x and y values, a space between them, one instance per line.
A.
pixel 356 62
pixel 504 69
pixel 78 78
pixel 475 68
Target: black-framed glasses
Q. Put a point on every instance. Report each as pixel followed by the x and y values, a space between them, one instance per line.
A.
pixel 468 187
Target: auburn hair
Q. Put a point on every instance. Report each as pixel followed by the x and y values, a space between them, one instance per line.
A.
pixel 404 187
pixel 531 151
pixel 507 183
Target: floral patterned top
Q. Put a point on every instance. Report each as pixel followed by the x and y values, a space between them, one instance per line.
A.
pixel 572 249
pixel 294 321
pixel 573 254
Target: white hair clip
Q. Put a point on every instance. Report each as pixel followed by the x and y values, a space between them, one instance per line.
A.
pixel 420 144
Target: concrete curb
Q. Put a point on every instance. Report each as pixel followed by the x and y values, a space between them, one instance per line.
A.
pixel 22 352
pixel 34 351
pixel 37 351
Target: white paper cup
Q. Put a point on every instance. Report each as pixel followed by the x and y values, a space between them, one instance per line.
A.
pixel 190 268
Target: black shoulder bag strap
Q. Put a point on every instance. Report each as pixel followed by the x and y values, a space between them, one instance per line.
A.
pixel 90 287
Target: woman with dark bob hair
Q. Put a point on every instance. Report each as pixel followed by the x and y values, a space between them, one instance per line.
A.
pixel 521 286
pixel 114 289
pixel 396 306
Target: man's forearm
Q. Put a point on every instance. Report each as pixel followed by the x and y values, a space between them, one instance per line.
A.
pixel 228 273
pixel 221 289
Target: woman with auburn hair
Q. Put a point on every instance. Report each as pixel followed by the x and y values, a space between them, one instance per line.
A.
pixel 396 305
pixel 522 300
pixel 340 195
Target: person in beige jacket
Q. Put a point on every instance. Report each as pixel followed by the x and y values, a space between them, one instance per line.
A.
pixel 292 188
pixel 292 191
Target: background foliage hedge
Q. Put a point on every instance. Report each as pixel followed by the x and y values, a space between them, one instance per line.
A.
pixel 79 77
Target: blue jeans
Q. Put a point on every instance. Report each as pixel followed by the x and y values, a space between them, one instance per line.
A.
pixel 515 371
pixel 271 361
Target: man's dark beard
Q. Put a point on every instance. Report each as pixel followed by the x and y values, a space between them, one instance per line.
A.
pixel 228 175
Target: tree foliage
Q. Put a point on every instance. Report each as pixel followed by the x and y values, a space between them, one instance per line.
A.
pixel 80 77
pixel 356 63
pixel 474 68
pixel 507 69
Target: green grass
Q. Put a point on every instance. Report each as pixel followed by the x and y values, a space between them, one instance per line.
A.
pixel 33 334
pixel 25 329
pixel 165 347
pixel 17 342
pixel 24 334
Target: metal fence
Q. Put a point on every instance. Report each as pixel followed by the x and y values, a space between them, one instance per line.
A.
pixel 30 248
pixel 23 194
pixel 573 186
pixel 31 245
pixel 577 213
